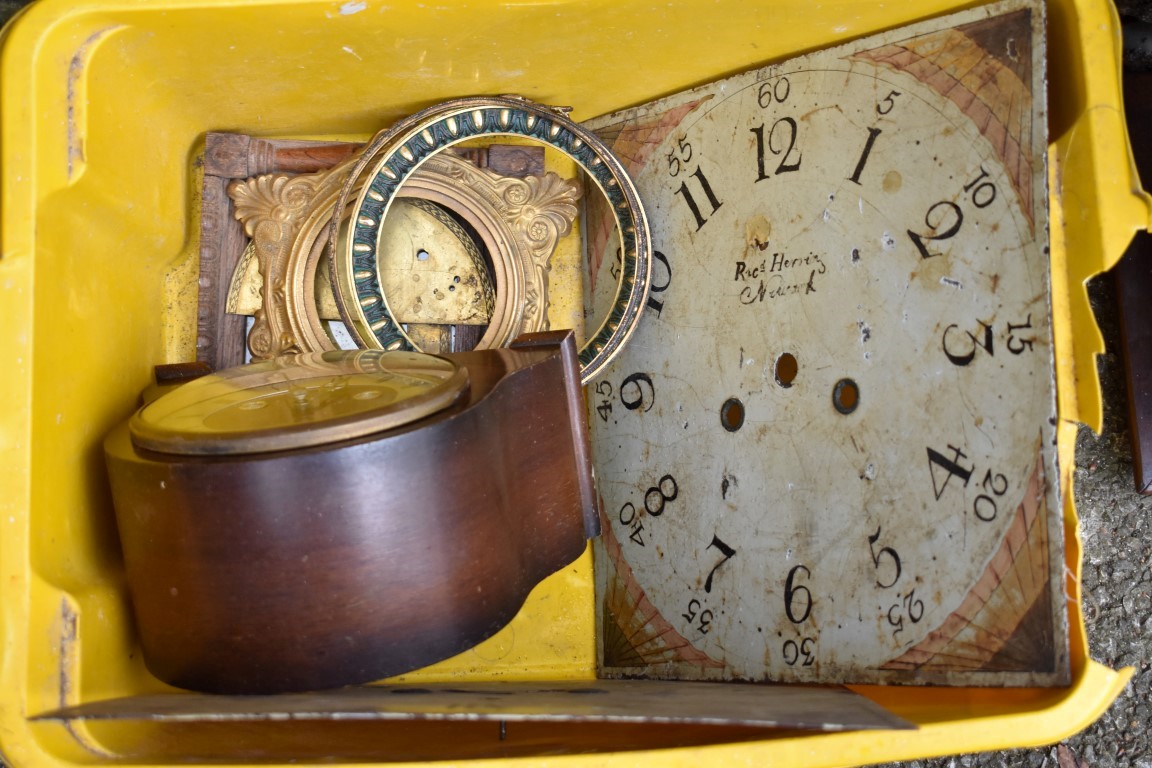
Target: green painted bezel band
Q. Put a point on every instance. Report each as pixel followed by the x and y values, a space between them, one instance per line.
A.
pixel 395 154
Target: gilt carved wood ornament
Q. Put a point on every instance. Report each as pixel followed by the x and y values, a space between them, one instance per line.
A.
pixel 518 220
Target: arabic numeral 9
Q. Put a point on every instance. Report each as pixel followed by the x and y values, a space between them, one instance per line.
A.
pixel 802 652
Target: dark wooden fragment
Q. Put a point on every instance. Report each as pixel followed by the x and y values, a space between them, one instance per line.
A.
pixel 237 156
pixel 1134 291
pixel 180 373
pixel 509 159
pixel 220 336
pixel 358 560
pixel 824 708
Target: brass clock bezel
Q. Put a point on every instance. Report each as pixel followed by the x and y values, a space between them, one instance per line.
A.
pixel 396 153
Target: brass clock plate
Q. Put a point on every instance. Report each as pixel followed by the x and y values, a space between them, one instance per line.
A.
pixel 828 453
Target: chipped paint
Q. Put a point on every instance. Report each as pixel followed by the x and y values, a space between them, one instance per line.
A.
pixel 75 123
pixel 68 652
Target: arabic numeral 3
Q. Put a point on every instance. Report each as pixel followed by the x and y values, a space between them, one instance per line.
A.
pixel 961 353
pixel 802 652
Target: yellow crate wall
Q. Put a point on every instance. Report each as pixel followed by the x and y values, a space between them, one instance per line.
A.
pixel 104 108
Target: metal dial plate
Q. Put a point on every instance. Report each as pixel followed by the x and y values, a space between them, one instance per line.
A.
pixel 828 454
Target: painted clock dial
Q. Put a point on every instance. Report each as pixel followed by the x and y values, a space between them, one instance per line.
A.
pixel 828 453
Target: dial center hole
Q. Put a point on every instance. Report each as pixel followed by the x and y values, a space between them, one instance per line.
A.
pixel 732 414
pixel 786 369
pixel 845 396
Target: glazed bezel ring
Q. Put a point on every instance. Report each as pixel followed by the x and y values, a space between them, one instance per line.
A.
pixel 393 155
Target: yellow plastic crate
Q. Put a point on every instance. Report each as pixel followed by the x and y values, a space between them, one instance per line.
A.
pixel 104 107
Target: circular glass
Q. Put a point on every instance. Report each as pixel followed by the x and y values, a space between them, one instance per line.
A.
pixel 297 401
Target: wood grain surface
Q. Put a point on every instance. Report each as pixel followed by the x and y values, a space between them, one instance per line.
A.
pixel 355 561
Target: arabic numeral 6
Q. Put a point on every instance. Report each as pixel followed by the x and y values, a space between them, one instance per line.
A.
pixel 802 652
pixel 797 598
pixel 636 393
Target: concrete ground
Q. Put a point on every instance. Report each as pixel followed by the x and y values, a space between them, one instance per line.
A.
pixel 1117 533
pixel 1117 582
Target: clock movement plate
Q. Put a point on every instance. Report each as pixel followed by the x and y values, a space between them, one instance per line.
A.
pixel 828 453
